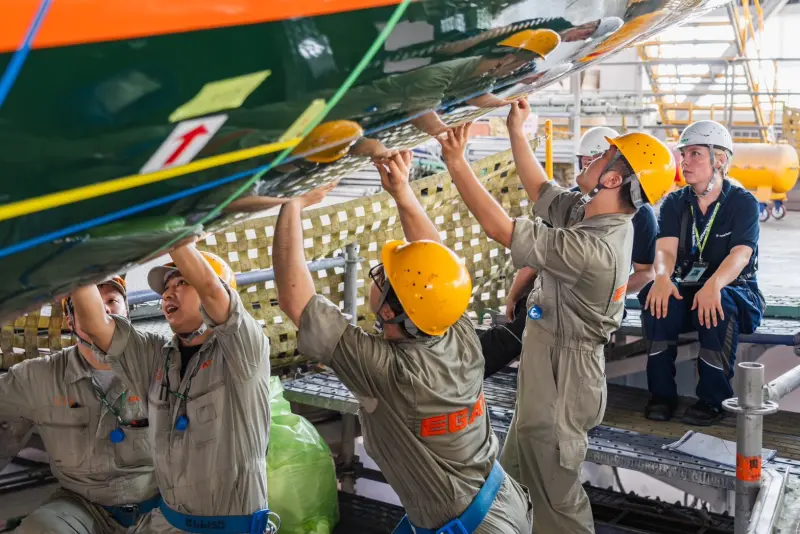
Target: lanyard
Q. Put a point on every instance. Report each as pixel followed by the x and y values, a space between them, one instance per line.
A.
pixel 100 395
pixel 165 383
pixel 702 239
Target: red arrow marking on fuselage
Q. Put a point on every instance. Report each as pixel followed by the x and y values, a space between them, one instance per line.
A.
pixel 186 140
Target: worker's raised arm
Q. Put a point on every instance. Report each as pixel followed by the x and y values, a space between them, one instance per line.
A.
pixel 214 298
pixel 292 278
pixel 529 170
pixel 90 313
pixel 131 354
pixel 394 179
pixel 490 214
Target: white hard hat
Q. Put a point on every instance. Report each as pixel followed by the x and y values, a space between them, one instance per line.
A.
pixel 593 142
pixel 706 133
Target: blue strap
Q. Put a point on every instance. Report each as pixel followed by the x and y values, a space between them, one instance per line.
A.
pixel 258 523
pixel 472 517
pixel 127 514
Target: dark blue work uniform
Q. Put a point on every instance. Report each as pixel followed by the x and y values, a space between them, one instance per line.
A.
pixel 502 344
pixel 736 223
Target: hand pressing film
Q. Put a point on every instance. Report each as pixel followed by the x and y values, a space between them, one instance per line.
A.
pixel 316 195
pixel 394 171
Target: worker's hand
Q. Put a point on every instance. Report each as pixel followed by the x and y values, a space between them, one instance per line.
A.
pixel 520 110
pixel 316 195
pixel 511 305
pixel 708 303
pixel 658 297
pixel 454 142
pixel 394 172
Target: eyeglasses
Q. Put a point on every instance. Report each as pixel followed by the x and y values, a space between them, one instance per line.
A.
pixel 378 275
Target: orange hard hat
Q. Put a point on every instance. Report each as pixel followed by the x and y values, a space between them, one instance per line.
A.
pixel 116 281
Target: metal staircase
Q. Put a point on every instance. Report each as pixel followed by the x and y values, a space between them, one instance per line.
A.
pixel 712 68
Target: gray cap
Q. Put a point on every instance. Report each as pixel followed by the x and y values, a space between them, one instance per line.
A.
pixel 157 277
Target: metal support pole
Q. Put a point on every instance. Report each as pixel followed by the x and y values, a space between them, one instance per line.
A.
pixel 638 79
pixel 351 262
pixel 548 148
pixel 783 385
pixel 347 455
pixel 575 83
pixel 750 409
pixel 244 279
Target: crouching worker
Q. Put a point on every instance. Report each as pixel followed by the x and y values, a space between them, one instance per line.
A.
pixel 420 385
pixel 706 261
pixel 206 389
pixel 94 430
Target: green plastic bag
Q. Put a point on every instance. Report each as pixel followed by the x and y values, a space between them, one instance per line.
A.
pixel 301 475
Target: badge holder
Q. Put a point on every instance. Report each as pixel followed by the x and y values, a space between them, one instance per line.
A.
pixel 696 272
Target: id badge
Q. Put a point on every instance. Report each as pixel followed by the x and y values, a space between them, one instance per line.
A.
pixel 696 272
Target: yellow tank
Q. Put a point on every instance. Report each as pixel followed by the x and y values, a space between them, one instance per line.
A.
pixel 768 170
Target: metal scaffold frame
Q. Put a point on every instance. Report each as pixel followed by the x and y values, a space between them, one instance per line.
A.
pixel 677 83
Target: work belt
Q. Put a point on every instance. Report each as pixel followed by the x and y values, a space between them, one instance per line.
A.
pixel 257 523
pixel 468 522
pixel 127 514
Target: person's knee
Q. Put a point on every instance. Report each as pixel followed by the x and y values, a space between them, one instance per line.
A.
pixel 44 522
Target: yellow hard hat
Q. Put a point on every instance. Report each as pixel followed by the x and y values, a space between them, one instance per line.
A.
pixel 157 277
pixel 116 281
pixel 651 161
pixel 334 138
pixel 430 282
pixel 633 29
pixel 541 41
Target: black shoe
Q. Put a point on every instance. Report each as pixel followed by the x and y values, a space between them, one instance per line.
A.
pixel 660 409
pixel 703 414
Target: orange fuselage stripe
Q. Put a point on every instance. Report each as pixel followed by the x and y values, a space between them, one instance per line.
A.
pixel 71 22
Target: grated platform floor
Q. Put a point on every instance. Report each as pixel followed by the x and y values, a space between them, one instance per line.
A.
pixel 614 513
pixel 626 439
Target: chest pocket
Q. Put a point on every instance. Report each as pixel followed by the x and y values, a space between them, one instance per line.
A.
pixel 135 450
pixel 66 434
pixel 204 414
pixel 203 436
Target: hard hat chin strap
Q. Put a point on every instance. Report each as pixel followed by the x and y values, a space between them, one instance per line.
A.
pixel 585 199
pixel 191 336
pixel 402 319
pixel 710 186
pixel 71 316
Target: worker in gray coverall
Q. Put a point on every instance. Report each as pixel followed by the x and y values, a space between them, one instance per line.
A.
pixel 420 384
pixel 206 389
pixel 581 247
pixel 94 430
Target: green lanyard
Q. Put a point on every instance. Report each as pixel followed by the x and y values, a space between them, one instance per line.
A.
pixel 165 381
pixel 701 240
pixel 100 395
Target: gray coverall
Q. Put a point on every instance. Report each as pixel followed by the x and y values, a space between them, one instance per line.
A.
pixel 217 465
pixel 55 394
pixel 423 415
pixel 583 270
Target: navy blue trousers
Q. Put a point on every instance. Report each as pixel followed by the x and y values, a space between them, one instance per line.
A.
pixel 718 344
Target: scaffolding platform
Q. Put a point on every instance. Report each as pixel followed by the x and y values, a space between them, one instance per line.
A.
pixel 626 439
pixel 614 513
